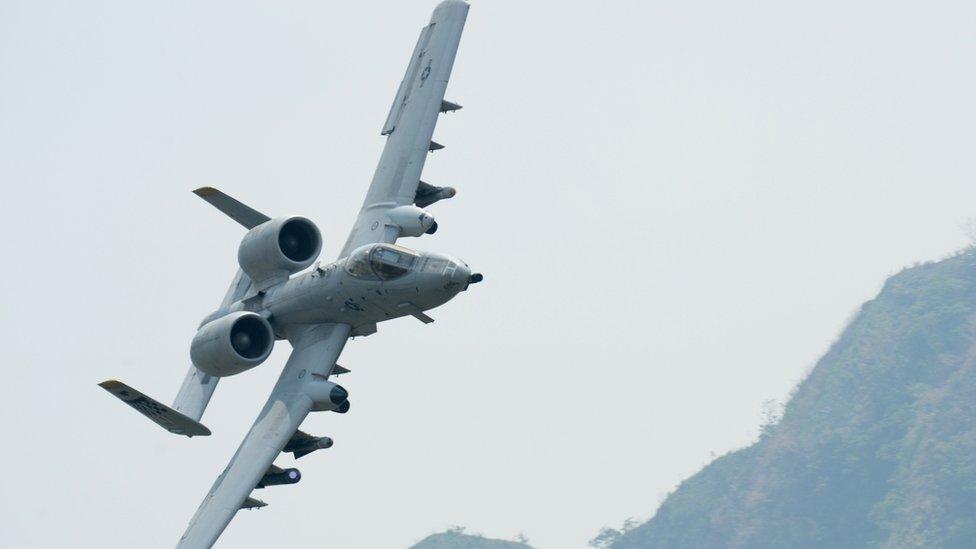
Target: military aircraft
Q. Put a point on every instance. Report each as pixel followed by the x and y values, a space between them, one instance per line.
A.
pixel 275 295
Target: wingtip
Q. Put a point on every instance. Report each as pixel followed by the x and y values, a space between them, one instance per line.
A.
pixel 205 191
pixel 204 432
pixel 110 384
pixel 450 3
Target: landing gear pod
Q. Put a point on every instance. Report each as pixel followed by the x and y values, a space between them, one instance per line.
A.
pixel 326 396
pixel 411 220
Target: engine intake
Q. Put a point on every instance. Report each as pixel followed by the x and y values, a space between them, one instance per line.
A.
pixel 274 250
pixel 232 344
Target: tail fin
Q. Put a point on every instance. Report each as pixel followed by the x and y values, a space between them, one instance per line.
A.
pixel 159 413
pixel 195 393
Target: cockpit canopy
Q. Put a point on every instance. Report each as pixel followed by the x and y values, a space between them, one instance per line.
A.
pixel 381 261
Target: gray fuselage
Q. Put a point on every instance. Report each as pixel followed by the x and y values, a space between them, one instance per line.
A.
pixel 347 292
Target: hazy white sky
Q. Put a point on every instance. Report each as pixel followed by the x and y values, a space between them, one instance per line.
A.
pixel 676 205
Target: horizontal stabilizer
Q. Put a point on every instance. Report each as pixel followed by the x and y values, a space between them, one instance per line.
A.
pixel 253 503
pixel 236 210
pixel 339 370
pixel 435 146
pixel 159 413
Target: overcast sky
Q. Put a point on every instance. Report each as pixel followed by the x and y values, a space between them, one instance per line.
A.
pixel 676 206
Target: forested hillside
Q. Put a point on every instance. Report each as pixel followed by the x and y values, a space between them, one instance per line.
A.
pixel 876 448
pixel 457 539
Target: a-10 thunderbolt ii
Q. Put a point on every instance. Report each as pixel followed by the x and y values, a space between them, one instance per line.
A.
pixel 317 310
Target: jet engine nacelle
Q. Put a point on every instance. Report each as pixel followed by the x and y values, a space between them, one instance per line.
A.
pixel 278 248
pixel 412 221
pixel 232 344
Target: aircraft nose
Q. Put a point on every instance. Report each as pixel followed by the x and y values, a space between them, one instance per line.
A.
pixel 461 273
pixel 464 276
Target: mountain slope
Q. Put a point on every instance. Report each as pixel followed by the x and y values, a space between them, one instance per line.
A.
pixel 876 448
pixel 455 539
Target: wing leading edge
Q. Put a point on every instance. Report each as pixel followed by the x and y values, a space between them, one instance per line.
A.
pixel 410 125
pixel 315 352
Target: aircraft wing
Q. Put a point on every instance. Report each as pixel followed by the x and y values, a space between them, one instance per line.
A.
pixel 410 125
pixel 315 352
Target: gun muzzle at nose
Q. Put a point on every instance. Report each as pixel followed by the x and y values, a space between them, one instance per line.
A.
pixel 475 278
